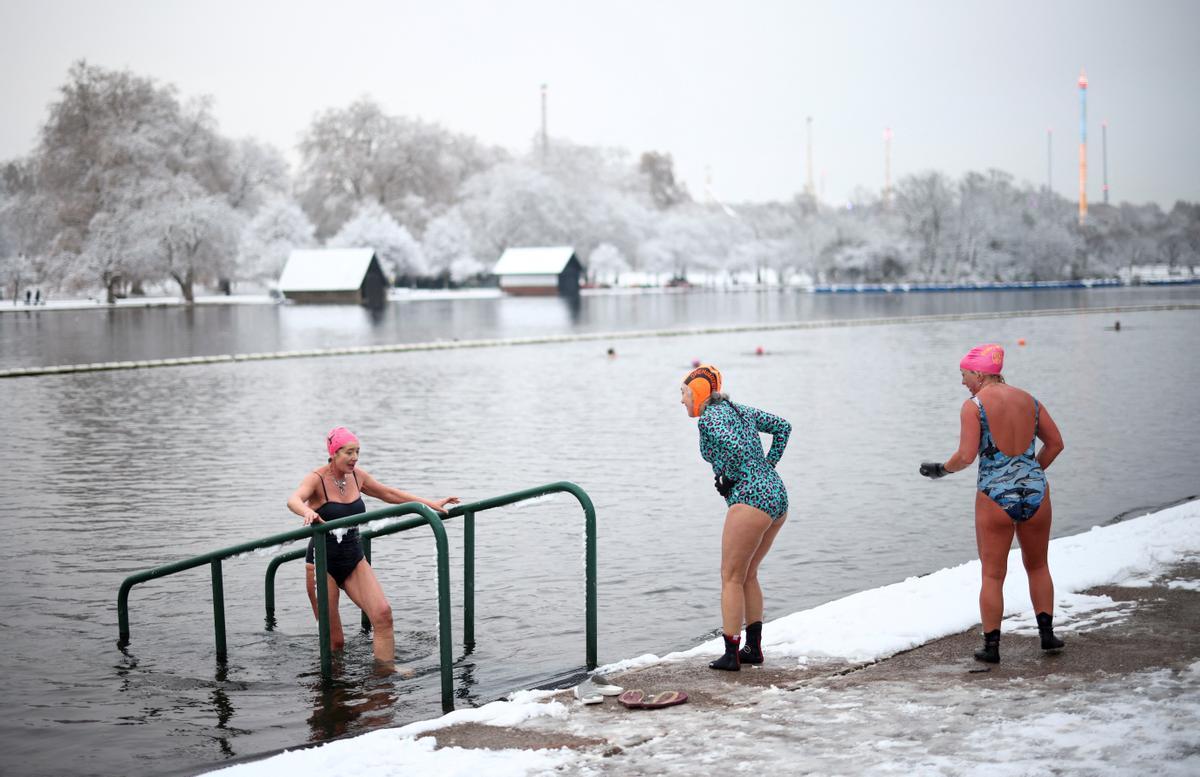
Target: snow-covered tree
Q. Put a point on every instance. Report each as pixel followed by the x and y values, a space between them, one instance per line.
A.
pixel 659 172
pixel 447 248
pixel 197 234
pixel 257 173
pixel 115 143
pixel 118 246
pixel 373 227
pixel 278 228
pixel 606 263
pixel 25 232
pixel 927 204
pixel 359 155
pixel 515 204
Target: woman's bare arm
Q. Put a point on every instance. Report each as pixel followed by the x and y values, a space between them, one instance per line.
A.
pixel 968 438
pixel 298 501
pixel 372 487
pixel 1052 441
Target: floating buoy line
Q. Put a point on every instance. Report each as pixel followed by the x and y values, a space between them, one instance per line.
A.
pixel 439 345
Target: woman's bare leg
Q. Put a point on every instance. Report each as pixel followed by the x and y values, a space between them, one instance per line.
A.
pixel 751 590
pixel 364 589
pixel 1034 538
pixel 337 640
pixel 745 527
pixel 993 537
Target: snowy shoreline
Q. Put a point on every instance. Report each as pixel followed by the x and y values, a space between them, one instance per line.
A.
pixel 865 627
pixel 431 295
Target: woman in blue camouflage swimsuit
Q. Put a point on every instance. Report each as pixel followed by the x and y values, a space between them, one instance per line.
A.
pixel 756 497
pixel 1013 496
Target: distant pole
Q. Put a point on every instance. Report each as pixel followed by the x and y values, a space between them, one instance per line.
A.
pixel 887 167
pixel 545 136
pixel 1104 152
pixel 809 188
pixel 1083 84
pixel 1049 159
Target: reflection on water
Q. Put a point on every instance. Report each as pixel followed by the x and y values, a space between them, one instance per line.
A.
pixel 113 473
pixel 340 707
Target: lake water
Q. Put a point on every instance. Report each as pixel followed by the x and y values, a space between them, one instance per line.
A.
pixel 107 474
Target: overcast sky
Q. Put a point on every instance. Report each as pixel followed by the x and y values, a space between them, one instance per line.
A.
pixel 723 87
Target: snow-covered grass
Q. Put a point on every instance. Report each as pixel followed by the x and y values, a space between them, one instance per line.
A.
pixel 1103 727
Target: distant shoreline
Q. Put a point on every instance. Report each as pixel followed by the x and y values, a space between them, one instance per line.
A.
pixel 423 295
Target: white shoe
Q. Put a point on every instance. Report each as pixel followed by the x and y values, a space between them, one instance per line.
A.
pixel 587 694
pixel 604 686
pixel 593 689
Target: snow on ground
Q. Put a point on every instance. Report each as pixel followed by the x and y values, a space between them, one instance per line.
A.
pixel 1016 728
pixel 1126 725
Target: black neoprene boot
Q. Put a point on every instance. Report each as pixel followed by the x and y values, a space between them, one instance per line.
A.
pixel 1050 643
pixel 991 647
pixel 751 652
pixel 729 661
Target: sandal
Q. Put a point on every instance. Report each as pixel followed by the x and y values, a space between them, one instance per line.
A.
pixel 638 700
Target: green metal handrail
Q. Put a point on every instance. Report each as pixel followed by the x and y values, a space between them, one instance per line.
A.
pixel 425 516
pixel 468 512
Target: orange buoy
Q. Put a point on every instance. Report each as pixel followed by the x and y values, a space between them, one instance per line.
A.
pixel 1020 341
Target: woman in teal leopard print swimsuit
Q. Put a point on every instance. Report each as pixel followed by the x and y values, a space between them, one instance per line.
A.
pixel 756 497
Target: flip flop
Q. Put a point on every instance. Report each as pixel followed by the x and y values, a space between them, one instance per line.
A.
pixel 632 699
pixel 638 700
pixel 664 699
pixel 588 695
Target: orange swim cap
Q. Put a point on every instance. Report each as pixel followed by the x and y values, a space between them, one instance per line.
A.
pixel 704 381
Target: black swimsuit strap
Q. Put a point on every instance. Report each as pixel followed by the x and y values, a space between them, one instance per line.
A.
pixel 326 492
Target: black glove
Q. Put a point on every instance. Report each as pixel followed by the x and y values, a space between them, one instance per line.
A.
pixel 934 470
pixel 723 484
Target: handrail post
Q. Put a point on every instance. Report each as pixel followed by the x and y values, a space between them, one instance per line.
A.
pixel 123 613
pixel 589 512
pixel 469 579
pixel 269 593
pixel 322 586
pixel 218 592
pixel 272 568
pixel 443 572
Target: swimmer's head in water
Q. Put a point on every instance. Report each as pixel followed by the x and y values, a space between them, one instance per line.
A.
pixel 339 438
pixel 703 382
pixel 988 359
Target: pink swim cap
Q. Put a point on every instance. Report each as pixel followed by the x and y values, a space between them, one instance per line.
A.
pixel 339 438
pixel 984 358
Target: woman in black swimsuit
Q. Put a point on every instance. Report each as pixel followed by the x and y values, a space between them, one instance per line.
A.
pixel 335 491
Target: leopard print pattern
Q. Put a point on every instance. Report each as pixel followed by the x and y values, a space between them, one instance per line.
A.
pixel 729 441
